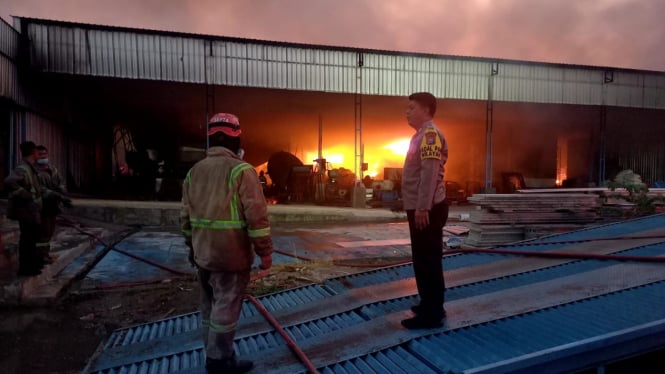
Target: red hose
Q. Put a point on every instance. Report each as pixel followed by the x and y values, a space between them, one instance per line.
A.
pixel 150 262
pixel 113 248
pixel 292 255
pixel 337 263
pixel 582 256
pixel 109 286
pixel 259 275
pixel 289 341
pixel 528 242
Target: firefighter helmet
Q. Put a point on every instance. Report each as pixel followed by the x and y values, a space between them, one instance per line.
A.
pixel 226 123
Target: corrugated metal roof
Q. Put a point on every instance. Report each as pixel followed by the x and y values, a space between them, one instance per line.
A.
pixel 496 323
pixel 74 48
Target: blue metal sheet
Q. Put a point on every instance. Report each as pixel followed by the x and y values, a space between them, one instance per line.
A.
pixel 521 340
pixel 155 330
pixel 458 350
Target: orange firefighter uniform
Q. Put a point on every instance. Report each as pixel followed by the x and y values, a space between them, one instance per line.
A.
pixel 224 219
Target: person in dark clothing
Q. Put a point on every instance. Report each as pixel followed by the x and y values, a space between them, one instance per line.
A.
pixel 25 206
pixel 424 198
pixel 53 194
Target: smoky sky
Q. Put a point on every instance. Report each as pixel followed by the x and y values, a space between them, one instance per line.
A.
pixel 614 33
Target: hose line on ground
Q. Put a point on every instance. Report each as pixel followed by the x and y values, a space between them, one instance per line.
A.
pixel 289 341
pixel 112 247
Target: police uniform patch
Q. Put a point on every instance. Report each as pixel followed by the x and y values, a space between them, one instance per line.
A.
pixel 430 146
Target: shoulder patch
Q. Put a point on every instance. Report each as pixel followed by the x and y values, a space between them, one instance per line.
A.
pixel 430 146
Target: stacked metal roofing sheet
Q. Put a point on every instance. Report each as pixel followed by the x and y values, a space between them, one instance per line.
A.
pixel 505 314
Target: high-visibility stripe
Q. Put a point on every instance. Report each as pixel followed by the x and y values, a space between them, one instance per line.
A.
pixel 237 170
pixel 259 233
pixel 235 215
pixel 188 177
pixel 235 222
pixel 186 232
pixel 217 224
pixel 222 329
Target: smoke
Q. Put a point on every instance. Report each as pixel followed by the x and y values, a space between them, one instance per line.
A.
pixel 621 33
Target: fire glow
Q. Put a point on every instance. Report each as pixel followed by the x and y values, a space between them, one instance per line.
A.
pixel 377 157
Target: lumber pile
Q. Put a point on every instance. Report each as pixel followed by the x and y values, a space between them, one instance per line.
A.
pixel 505 218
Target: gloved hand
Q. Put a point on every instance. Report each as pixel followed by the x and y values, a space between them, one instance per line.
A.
pixel 49 194
pixel 266 262
pixel 190 256
pixel 67 202
pixel 24 194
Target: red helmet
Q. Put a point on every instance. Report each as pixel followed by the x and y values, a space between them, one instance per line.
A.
pixel 226 123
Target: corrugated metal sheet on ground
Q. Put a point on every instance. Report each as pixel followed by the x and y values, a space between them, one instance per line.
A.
pixel 467 348
pixel 635 315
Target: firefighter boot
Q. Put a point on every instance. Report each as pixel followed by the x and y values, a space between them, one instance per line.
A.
pixel 229 365
pixel 45 255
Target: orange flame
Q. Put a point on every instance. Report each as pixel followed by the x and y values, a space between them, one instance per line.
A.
pixel 377 157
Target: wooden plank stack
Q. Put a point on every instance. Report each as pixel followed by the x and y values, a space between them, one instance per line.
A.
pixel 505 218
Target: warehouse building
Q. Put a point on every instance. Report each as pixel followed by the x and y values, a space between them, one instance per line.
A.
pixel 101 98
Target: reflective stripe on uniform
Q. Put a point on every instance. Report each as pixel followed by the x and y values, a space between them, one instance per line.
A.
pixel 222 329
pixel 235 222
pixel 216 224
pixel 186 232
pixel 235 216
pixel 188 177
pixel 259 233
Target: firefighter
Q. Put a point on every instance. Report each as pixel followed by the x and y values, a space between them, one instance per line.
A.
pixel 25 206
pixel 225 222
pixel 53 194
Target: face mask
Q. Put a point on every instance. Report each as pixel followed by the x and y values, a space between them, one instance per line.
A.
pixel 241 153
pixel 42 161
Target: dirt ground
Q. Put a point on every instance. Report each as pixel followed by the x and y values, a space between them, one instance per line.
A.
pixel 62 337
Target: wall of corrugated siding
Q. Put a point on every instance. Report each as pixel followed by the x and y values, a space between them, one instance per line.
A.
pixel 105 52
pixel 9 40
pixel 400 75
pixel 28 126
pixel 9 85
pixel 46 133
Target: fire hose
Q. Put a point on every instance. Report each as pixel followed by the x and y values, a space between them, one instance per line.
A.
pixel 112 247
pixel 289 341
pixel 570 255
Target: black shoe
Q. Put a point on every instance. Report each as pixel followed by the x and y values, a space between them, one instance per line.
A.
pixel 419 322
pixel 228 366
pixel 418 309
pixel 30 272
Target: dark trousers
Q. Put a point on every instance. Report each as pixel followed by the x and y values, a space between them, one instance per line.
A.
pixel 46 230
pixel 28 258
pixel 427 252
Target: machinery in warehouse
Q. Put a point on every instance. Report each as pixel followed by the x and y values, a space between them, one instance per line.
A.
pixel 293 181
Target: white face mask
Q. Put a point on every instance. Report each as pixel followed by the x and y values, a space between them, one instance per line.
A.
pixel 241 153
pixel 42 161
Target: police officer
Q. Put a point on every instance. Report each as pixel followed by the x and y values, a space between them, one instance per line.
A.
pixel 423 195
